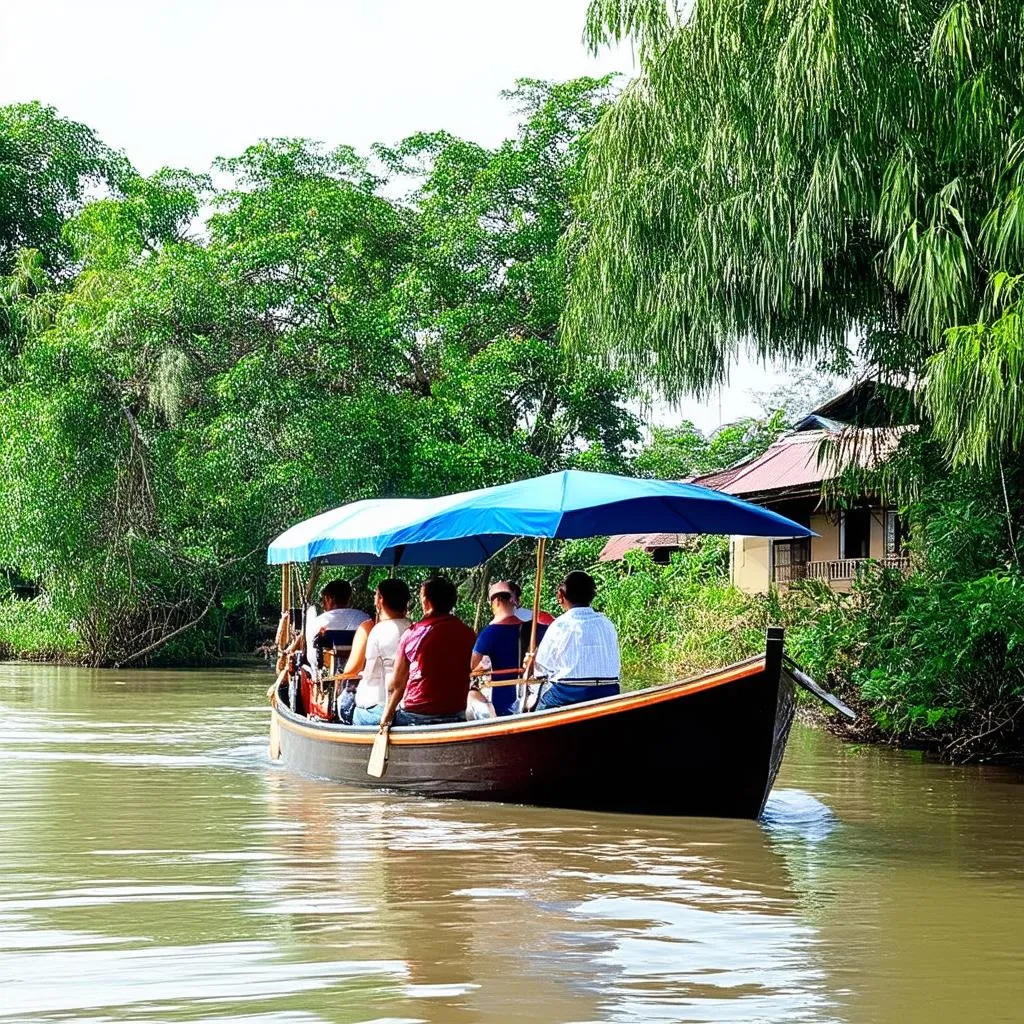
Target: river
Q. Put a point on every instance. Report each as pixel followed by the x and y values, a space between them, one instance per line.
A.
pixel 155 866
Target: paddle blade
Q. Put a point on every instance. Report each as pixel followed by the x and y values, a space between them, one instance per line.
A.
pixel 820 692
pixel 378 762
pixel 275 738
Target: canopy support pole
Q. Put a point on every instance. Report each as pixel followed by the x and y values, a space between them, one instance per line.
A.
pixel 538 581
pixel 482 583
pixel 314 576
pixel 306 595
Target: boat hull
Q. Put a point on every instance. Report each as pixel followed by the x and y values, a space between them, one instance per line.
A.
pixel 709 746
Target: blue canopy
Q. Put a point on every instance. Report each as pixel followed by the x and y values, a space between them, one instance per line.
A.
pixel 466 529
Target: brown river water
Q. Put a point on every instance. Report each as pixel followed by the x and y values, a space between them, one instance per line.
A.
pixel 155 866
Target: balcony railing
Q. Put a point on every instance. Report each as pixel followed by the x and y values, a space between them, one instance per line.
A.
pixel 840 570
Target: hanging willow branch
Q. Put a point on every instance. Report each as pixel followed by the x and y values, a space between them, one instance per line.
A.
pixel 784 177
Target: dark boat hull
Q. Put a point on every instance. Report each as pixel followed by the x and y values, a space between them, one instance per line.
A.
pixel 709 746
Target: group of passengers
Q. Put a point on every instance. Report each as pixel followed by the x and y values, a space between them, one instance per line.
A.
pixel 427 672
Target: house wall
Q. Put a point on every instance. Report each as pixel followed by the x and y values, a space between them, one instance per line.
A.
pixel 749 559
pixel 824 547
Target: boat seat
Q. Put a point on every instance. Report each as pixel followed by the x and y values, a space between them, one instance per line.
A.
pixel 331 648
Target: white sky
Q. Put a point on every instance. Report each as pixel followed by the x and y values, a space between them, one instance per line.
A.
pixel 179 82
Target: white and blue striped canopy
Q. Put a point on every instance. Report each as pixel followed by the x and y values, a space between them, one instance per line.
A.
pixel 466 529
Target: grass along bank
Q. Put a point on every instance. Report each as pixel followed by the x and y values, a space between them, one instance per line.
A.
pixel 929 663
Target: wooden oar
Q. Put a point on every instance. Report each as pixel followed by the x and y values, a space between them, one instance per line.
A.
pixel 378 762
pixel 275 732
pixel 822 694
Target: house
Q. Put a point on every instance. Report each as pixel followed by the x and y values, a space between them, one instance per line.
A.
pixel 789 478
pixel 658 545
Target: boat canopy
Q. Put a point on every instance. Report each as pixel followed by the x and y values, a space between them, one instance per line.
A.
pixel 466 529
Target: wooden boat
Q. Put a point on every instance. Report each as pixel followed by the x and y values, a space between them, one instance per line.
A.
pixel 710 746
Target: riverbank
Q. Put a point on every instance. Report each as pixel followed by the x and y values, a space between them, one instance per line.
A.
pixel 928 663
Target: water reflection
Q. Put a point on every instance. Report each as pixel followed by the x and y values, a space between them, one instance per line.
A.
pixel 551 916
pixel 155 866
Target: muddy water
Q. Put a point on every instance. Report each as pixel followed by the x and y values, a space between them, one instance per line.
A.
pixel 154 866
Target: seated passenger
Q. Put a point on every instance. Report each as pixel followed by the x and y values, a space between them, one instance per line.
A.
pixel 579 655
pixel 526 614
pixel 431 674
pixel 502 645
pixel 374 651
pixel 337 622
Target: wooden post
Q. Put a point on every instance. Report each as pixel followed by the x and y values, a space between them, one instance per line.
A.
pixel 314 577
pixel 538 581
pixel 485 579
pixel 285 586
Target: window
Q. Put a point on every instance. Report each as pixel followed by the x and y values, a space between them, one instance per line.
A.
pixel 790 558
pixel 855 533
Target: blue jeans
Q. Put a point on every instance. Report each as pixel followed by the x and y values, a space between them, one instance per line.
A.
pixel 367 716
pixel 345 706
pixel 560 695
pixel 403 717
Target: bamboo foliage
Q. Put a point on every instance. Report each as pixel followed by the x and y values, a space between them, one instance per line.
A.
pixel 788 176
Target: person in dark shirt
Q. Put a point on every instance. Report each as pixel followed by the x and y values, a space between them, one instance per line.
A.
pixel 501 646
pixel 430 681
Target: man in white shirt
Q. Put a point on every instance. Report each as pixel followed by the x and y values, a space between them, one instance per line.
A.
pixel 521 613
pixel 579 655
pixel 336 618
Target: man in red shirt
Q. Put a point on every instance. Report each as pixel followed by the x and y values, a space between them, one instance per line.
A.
pixel 431 674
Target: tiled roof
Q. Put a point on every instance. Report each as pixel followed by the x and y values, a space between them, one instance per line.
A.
pixel 618 546
pixel 791 464
pixel 794 462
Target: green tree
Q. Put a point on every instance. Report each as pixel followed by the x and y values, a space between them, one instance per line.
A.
pixel 193 390
pixel 784 175
pixel 47 165
pixel 489 268
pixel 677 453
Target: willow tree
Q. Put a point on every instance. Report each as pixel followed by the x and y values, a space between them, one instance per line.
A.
pixel 788 175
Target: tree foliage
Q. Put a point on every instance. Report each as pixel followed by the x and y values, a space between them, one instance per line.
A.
pixel 786 175
pixel 199 384
pixel 47 165
pixel 677 453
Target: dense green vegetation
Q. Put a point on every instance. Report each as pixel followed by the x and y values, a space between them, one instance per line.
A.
pixel 840 182
pixel 788 175
pixel 189 362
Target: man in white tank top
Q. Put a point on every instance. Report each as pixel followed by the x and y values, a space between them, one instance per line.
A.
pixel 374 650
pixel 336 616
